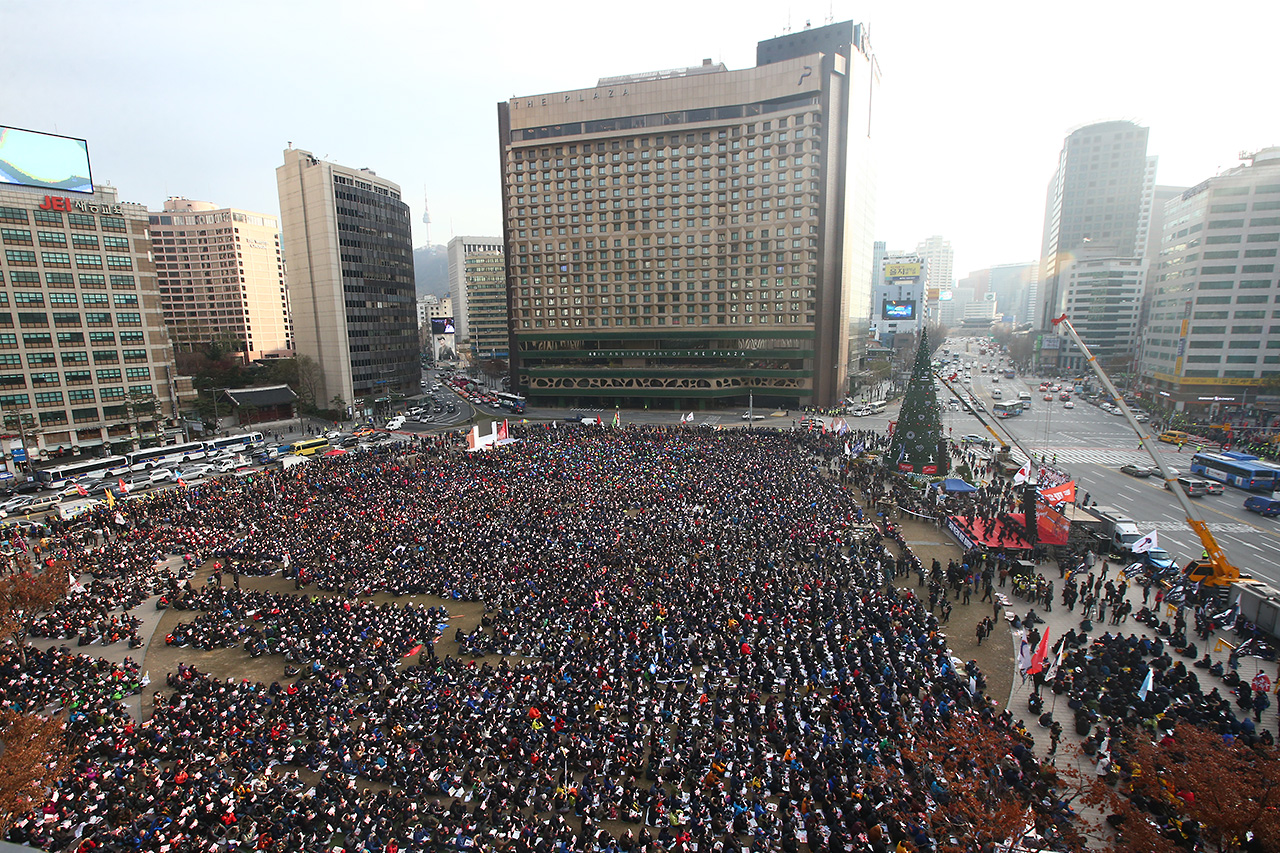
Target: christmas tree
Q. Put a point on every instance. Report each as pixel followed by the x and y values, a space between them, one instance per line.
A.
pixel 917 445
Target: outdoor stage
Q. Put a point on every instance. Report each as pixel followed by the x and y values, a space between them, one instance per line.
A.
pixel 972 535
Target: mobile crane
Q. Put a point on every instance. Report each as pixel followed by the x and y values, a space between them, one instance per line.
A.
pixel 1004 459
pixel 1217 570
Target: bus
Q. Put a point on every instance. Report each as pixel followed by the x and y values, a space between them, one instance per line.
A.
pixel 1010 374
pixel 158 457
pixel 1011 409
pixel 56 478
pixel 234 443
pixel 1241 470
pixel 309 446
pixel 513 402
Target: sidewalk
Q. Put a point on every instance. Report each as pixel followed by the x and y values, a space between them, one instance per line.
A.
pixel 1059 620
pixel 117 652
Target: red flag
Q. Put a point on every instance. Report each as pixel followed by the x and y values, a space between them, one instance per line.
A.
pixel 1042 651
pixel 83 492
pixel 182 482
pixel 413 651
pixel 123 487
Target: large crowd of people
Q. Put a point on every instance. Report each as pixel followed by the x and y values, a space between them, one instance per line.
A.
pixel 691 641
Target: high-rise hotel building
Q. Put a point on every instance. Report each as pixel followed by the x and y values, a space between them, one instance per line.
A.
pixel 349 250
pixel 222 278
pixel 691 236
pixel 84 356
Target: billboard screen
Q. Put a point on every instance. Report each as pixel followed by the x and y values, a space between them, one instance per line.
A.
pixel 897 271
pixel 442 325
pixel 902 309
pixel 43 160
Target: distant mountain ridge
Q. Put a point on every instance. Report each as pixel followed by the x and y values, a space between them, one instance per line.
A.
pixel 431 270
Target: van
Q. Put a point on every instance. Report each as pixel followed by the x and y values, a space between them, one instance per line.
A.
pixel 396 423
pixel 1174 436
pixel 1267 507
pixel 876 407
pixel 996 394
pixel 40 504
pixel 1192 486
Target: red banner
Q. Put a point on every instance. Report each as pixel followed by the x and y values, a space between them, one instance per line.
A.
pixel 1053 527
pixel 929 469
pixel 906 467
pixel 1065 493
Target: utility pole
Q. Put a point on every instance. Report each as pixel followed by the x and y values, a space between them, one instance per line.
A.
pixel 22 433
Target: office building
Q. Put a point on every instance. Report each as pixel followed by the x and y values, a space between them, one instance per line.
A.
pixel 84 356
pixel 459 249
pixel 1213 333
pixel 478 285
pixel 221 279
pixel 940 262
pixel 878 252
pixel 898 303
pixel 1095 198
pixel 691 236
pixel 1011 286
pixel 349 251
pixel 1102 297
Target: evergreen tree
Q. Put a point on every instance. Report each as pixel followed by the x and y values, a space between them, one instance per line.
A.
pixel 917 444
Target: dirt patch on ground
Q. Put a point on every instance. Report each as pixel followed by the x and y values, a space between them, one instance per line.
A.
pixel 162 659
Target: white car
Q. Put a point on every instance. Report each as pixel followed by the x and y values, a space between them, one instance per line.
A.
pixel 195 471
pixel 226 466
pixel 747 416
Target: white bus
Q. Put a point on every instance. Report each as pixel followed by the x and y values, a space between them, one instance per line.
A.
pixel 233 443
pixel 158 457
pixel 61 476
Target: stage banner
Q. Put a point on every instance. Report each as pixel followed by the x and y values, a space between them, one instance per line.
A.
pixel 961 536
pixel 1065 493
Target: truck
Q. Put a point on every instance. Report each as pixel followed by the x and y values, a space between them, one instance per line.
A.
pixel 1118 529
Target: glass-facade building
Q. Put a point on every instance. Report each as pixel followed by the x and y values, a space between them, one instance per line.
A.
pixel 348 248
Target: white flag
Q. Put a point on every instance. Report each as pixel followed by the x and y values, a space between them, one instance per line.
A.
pixel 1147 684
pixel 1146 543
pixel 1021 476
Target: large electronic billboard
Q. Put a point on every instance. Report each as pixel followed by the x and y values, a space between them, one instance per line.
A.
pixel 901 309
pixel 43 160
pixel 442 326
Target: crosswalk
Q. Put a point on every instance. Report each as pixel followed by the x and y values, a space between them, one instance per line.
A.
pixel 1181 526
pixel 1105 456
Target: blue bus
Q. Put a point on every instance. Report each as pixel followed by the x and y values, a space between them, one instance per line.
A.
pixel 1008 410
pixel 512 402
pixel 1242 470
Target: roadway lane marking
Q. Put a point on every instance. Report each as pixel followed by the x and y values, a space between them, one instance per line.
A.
pixel 1249 544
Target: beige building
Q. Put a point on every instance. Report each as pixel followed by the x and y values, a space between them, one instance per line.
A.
pixel 84 355
pixel 222 279
pixel 460 248
pixel 348 245
pixel 696 235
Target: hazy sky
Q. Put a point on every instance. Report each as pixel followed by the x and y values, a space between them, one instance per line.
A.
pixel 199 99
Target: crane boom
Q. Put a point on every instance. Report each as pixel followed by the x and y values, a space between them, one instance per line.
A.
pixel 1003 456
pixel 1221 572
